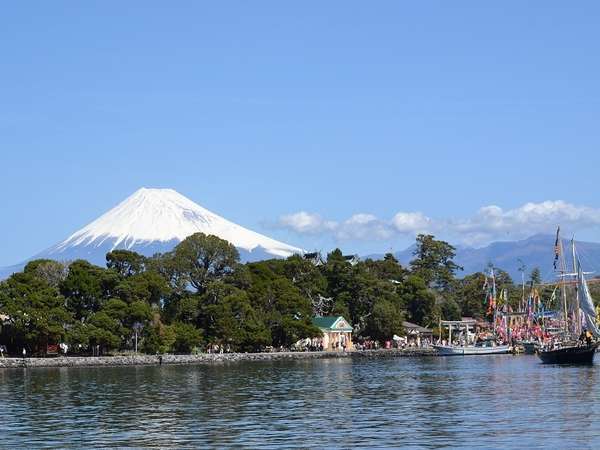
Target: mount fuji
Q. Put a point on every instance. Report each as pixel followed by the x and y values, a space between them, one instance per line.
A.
pixel 155 220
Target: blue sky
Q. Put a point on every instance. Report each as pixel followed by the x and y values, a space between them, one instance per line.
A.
pixel 314 122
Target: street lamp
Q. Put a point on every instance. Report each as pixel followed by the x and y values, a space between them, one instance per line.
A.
pixel 137 326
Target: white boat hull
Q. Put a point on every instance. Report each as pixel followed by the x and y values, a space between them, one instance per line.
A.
pixel 448 350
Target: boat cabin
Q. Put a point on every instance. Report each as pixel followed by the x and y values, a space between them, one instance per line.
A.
pixel 459 330
pixel 416 334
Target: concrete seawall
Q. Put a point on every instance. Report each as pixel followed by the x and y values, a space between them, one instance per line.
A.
pixel 203 358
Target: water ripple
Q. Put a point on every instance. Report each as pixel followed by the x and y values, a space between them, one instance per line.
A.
pixel 486 402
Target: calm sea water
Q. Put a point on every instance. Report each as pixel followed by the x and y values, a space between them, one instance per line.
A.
pixel 493 401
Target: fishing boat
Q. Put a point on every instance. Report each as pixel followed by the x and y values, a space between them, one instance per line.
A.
pixel 569 353
pixel 470 344
pixel 480 348
pixel 467 345
pixel 578 340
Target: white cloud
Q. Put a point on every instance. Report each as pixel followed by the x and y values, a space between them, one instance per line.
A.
pixel 492 222
pixel 306 223
pixel 411 222
pixel 489 223
pixel 363 227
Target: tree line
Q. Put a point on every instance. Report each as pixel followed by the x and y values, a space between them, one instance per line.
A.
pixel 200 295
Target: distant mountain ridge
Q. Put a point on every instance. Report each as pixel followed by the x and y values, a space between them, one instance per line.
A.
pixel 156 220
pixel 535 251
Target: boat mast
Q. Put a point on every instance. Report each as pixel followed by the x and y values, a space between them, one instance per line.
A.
pixel 523 293
pixel 495 300
pixel 506 314
pixel 563 287
pixel 576 271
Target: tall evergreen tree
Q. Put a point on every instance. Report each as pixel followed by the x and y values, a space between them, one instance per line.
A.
pixel 433 262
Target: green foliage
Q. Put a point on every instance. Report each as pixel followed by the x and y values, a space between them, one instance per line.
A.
pixel 78 337
pixel 450 310
pixel 234 322
pixel 199 294
pixel 340 308
pixel 286 312
pixel 158 338
pixel 469 295
pixel 52 272
pixel 385 321
pixel 387 269
pixel 147 286
pixel 204 258
pixel 434 262
pixel 187 337
pixel 355 289
pixel 126 263
pixel 535 277
pixel 338 273
pixel 152 341
pixel 37 316
pixel 419 300
pixel 139 312
pixel 309 280
pixel 86 286
pixel 104 330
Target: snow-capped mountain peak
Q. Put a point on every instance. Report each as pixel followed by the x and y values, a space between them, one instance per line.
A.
pixel 160 216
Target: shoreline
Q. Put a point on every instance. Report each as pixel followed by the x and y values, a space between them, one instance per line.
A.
pixel 203 358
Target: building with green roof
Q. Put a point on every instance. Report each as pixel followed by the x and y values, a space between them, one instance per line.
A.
pixel 337 332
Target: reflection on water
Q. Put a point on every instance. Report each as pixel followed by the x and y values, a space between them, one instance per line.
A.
pixel 428 402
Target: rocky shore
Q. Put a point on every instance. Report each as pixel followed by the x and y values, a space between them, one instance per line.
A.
pixel 203 358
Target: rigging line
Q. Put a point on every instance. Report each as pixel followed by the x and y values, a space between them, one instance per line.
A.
pixel 590 263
